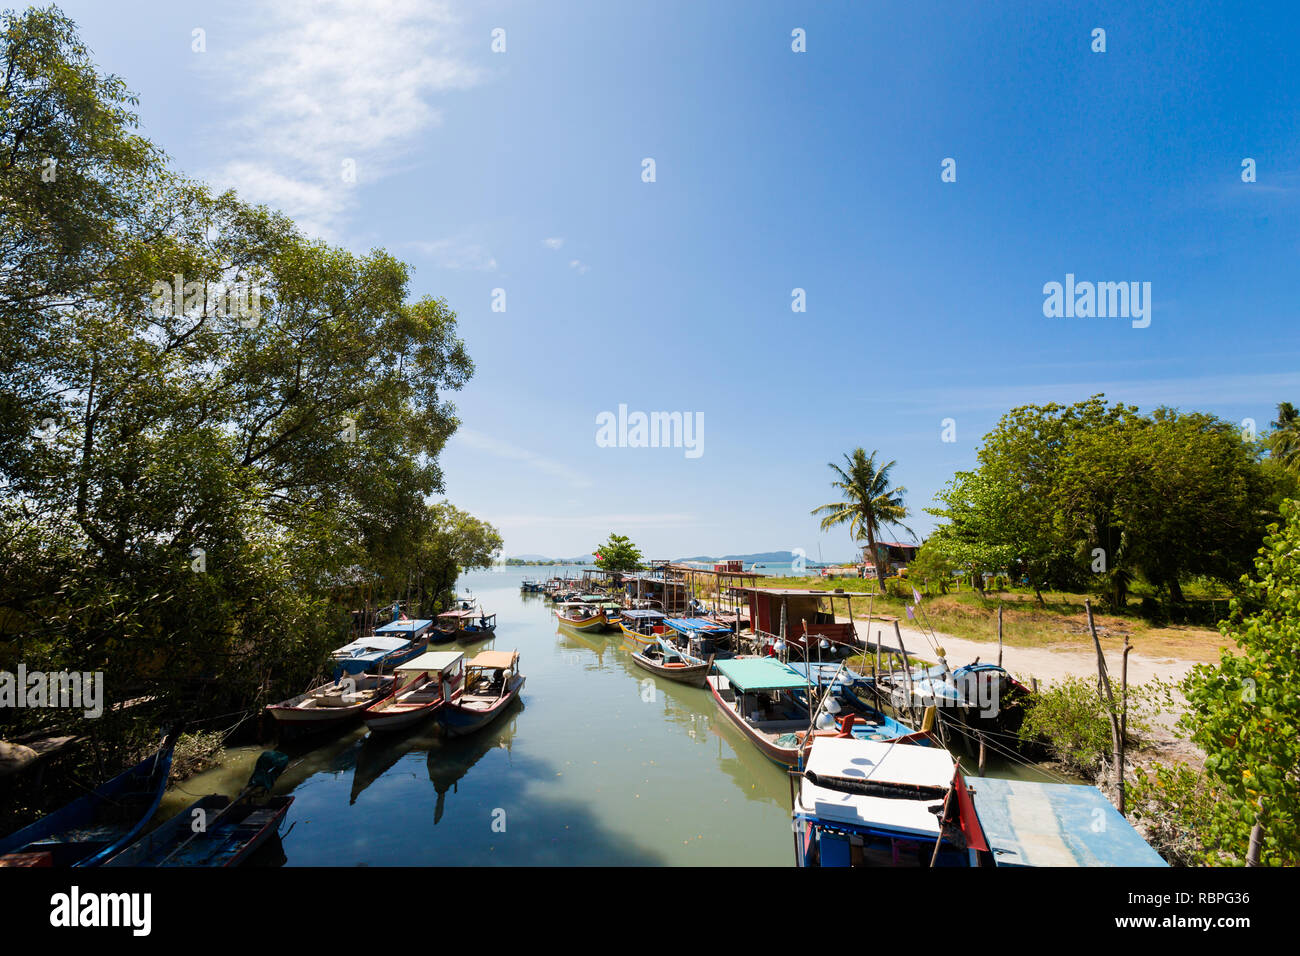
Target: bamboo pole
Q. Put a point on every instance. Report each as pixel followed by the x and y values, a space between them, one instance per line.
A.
pixel 999 634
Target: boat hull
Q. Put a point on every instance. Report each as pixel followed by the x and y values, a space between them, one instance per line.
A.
pixel 230 841
pixel 596 623
pixel 458 720
pixel 298 712
pixel 785 756
pixel 692 674
pixel 144 784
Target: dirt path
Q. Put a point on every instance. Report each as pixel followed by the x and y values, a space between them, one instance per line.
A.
pixel 1046 664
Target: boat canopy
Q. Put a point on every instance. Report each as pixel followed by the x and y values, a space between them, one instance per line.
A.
pixel 494 660
pixel 1055 824
pixel 881 763
pixel 432 661
pixel 361 655
pixel 697 625
pixel 459 613
pixel 403 627
pixel 643 615
pixel 761 673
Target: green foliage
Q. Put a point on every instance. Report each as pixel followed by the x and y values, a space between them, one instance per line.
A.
pixel 186 488
pixel 1185 818
pixel 1073 719
pixel 932 567
pixel 618 553
pixel 1097 496
pixel 1245 712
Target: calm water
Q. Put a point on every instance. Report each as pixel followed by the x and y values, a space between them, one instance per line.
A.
pixel 598 764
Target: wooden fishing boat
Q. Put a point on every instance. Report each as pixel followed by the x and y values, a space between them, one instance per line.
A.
pixel 465 623
pixel 866 803
pixel 700 637
pixel 492 682
pixel 236 832
pixel 974 701
pixel 581 616
pixel 849 709
pixel 333 703
pixel 92 828
pixel 394 643
pixel 756 695
pixel 664 660
pixel 422 687
pixel 641 627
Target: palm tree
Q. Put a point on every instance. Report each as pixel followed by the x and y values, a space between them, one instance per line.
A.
pixel 1284 440
pixel 869 503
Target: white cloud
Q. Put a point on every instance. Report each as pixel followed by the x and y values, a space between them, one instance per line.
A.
pixel 579 266
pixel 554 243
pixel 458 254
pixel 512 452
pixel 321 83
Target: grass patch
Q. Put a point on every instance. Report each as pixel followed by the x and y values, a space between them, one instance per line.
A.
pixel 1061 621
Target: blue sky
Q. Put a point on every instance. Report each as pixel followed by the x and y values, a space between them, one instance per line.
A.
pixel 775 170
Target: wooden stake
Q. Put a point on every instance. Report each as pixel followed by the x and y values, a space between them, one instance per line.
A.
pixel 999 634
pixel 1103 684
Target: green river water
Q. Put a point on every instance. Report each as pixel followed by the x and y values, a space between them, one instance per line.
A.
pixel 598 764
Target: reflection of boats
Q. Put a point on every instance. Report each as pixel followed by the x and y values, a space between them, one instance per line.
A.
pixel 664 660
pixel 581 616
pixel 451 758
pixel 422 687
pixel 332 704
pixel 379 753
pixel 492 682
pixel 229 841
pixel 92 828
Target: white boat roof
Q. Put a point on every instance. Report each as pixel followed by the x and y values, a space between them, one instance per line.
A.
pixel 878 762
pixel 432 661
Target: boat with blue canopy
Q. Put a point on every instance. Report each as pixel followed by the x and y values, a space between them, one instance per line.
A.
pixel 381 651
pixel 663 659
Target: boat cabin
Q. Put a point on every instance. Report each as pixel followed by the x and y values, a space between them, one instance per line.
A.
pixel 644 621
pixel 803 613
pixel 490 672
pixel 446 669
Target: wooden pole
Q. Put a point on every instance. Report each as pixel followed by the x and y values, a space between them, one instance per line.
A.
pixel 1123 719
pixel 1103 684
pixel 999 634
pixel 982 754
pixel 907 674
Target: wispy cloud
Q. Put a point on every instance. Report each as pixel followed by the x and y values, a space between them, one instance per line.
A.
pixel 458 254
pixel 553 243
pixel 531 459
pixel 579 266
pixel 637 520
pixel 330 91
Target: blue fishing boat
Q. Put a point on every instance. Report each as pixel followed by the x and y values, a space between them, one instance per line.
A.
pixel 92 828
pixel 236 831
pixel 382 651
pixel 492 683
pixel 700 637
pixel 867 803
pixel 850 709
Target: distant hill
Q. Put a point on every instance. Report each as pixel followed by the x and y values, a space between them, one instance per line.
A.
pixel 760 557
